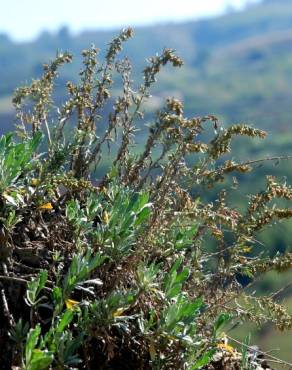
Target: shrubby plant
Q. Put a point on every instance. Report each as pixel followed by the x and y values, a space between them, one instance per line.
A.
pixel 114 272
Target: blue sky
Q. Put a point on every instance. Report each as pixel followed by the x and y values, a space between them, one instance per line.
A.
pixel 24 19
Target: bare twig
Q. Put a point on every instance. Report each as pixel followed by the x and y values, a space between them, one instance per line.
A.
pixel 277 293
pixel 19 280
pixel 6 311
pixel 268 357
pixel 253 162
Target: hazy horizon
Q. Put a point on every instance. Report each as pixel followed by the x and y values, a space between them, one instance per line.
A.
pixel 26 20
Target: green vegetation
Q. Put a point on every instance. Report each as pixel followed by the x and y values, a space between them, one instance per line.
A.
pixel 136 268
pixel 237 67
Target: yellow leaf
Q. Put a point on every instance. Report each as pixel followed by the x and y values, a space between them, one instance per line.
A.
pixel 70 303
pixel 34 182
pixel 152 351
pixel 46 206
pixel 118 312
pixel 106 217
pixel 226 347
pixel 247 249
pixel 104 190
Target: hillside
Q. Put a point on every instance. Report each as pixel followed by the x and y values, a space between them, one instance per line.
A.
pixel 238 65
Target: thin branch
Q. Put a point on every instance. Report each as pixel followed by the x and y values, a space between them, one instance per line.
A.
pixel 265 354
pixel 19 280
pixel 6 309
pixel 274 295
pixel 253 162
pixel 48 132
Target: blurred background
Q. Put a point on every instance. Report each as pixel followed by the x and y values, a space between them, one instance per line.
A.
pixel 238 66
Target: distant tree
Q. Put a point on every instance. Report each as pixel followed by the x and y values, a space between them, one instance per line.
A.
pixel 64 34
pixel 4 39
